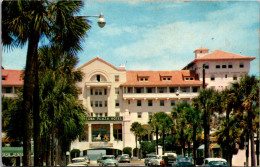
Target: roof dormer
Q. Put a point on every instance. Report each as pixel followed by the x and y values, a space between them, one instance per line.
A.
pixel 200 52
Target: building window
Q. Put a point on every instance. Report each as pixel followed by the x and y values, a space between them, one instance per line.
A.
pixel 161 102
pixel 187 79
pixel 172 90
pixel 116 78
pixel 241 65
pixel 234 77
pixel 194 89
pixel 160 90
pixel 206 66
pixel 212 78
pixel 172 102
pixel 91 91
pixel 96 103
pixel 3 78
pixel 117 103
pixel 105 103
pixel 91 103
pixel 96 91
pixel 139 103
pixel 100 114
pixel 217 66
pixel 138 90
pixel 100 91
pixel 185 101
pixel 139 115
pixel 100 103
pixel 117 114
pixel 106 114
pixel 96 114
pixel 91 114
pixel 224 66
pixel 129 102
pixel 225 75
pixel 98 78
pixel 150 103
pixel 191 79
pixel 149 90
pixel 230 65
pixel 117 132
pixel 116 90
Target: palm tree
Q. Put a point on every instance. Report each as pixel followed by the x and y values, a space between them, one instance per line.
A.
pixel 248 87
pixel 135 128
pixel 59 98
pixel 30 21
pixel 166 123
pixel 207 102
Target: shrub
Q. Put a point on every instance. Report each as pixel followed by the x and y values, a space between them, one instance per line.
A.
pixel 127 150
pixel 74 153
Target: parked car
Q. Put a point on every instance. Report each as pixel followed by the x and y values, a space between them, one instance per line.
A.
pixel 124 158
pixel 80 161
pixel 169 159
pixel 118 157
pixel 148 158
pixel 156 161
pixel 183 161
pixel 108 160
pixel 214 162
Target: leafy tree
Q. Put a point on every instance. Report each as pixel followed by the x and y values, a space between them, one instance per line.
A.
pixel 127 150
pixel 31 21
pixel 138 131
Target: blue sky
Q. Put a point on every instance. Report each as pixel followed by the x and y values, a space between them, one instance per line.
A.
pixel 162 35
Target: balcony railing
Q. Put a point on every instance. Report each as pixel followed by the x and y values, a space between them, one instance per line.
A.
pixel 160 95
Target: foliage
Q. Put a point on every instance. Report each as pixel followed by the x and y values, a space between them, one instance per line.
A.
pixel 74 153
pixel 148 147
pixel 127 150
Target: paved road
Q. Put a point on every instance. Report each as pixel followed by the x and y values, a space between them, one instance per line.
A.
pixel 134 163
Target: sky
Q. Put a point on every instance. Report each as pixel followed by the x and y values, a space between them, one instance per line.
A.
pixel 162 35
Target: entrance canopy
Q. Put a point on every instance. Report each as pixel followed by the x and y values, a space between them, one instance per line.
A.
pixel 12 151
pixel 201 147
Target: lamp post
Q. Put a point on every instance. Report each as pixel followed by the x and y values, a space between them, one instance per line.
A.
pixel 101 20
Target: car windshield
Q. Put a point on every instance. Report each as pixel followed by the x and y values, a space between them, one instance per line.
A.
pixel 125 156
pixel 217 163
pixel 104 158
pixel 151 156
pixel 184 159
pixel 77 160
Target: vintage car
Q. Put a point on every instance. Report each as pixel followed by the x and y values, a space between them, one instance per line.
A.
pixel 124 158
pixel 214 162
pixel 108 160
pixel 183 161
pixel 156 161
pixel 80 161
pixel 147 161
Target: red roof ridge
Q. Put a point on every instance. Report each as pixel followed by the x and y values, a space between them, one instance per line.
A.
pixel 97 58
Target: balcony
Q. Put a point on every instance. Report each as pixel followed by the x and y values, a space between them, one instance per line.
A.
pixel 159 95
pixel 98 84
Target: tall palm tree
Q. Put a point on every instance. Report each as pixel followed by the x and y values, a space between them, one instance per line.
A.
pixel 166 123
pixel 207 102
pixel 31 21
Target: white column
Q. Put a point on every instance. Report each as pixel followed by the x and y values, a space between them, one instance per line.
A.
pixel 89 133
pixel 190 89
pixel 111 133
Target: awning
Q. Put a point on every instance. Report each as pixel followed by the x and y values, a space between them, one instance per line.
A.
pixel 12 151
pixel 217 146
pixel 201 147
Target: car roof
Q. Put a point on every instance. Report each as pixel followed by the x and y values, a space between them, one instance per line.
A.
pixel 108 156
pixel 215 159
pixel 78 158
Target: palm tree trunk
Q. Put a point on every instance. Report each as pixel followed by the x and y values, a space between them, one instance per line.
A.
pixel 194 143
pixel 182 143
pixel 251 136
pixel 52 149
pixel 157 141
pixel 48 152
pixel 206 134
pixel 36 115
pixel 257 147
pixel 227 139
pixel 135 145
pixel 247 148
pixel 28 98
pixel 163 137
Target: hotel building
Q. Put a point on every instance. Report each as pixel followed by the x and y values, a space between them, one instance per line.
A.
pixel 115 97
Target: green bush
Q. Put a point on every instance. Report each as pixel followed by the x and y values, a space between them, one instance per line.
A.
pixel 127 150
pixel 74 153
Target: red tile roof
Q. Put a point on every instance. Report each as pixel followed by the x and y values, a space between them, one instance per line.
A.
pixel 154 78
pixel 12 77
pixel 97 58
pixel 222 55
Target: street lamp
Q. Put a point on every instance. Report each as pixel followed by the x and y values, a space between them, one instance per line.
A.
pixel 101 20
